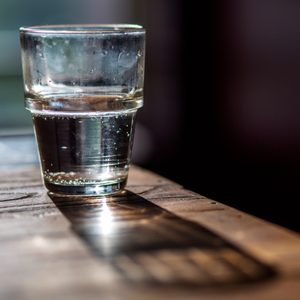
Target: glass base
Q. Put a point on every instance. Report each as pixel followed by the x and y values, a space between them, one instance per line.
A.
pixel 86 190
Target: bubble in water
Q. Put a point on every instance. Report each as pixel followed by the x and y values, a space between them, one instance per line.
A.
pixel 96 155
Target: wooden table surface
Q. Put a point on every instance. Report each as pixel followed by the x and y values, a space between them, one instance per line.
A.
pixel 155 241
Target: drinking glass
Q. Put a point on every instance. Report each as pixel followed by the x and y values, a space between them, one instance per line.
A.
pixel 83 86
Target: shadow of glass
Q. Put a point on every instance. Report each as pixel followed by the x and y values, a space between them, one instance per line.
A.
pixel 147 243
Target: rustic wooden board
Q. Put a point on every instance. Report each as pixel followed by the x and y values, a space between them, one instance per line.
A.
pixel 157 240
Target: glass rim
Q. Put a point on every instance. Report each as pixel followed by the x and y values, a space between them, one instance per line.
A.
pixel 82 28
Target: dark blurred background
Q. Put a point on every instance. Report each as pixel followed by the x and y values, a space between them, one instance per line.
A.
pixel 222 93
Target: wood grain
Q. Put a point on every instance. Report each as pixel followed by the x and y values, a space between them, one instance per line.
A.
pixel 157 240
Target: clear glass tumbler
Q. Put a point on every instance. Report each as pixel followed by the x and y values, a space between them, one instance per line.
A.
pixel 83 86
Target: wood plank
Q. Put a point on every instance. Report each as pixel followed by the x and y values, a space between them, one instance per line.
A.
pixel 270 243
pixel 77 249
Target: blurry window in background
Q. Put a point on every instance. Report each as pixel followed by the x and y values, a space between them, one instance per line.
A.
pixel 17 13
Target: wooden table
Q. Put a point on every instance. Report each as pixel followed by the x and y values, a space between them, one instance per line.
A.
pixel 156 241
